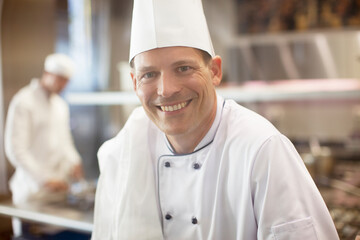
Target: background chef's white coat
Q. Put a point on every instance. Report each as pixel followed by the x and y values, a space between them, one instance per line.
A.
pixel 38 141
pixel 251 184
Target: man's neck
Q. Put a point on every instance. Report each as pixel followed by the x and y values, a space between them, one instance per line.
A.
pixel 44 87
pixel 186 143
pixel 183 144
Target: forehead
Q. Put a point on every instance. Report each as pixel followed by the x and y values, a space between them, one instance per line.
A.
pixel 167 55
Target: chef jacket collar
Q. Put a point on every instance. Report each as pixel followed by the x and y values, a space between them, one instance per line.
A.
pixel 209 137
pixel 35 84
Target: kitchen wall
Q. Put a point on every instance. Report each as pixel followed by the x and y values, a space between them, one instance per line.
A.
pixel 28 31
pixel 3 164
pixel 28 36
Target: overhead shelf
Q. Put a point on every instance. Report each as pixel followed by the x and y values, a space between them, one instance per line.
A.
pixel 102 98
pixel 252 91
pixel 293 90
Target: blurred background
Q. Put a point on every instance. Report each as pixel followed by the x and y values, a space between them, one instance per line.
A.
pixel 295 62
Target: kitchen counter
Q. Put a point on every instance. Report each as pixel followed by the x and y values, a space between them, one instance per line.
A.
pixel 56 214
pixel 342 196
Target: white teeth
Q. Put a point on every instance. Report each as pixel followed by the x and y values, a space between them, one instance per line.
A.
pixel 174 107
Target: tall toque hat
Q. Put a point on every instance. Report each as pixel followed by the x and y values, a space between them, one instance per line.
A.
pixel 169 23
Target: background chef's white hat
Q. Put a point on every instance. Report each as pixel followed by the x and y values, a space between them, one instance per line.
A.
pixel 169 23
pixel 59 64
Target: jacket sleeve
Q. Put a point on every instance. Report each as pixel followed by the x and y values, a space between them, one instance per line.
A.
pixel 71 154
pixel 287 203
pixel 18 135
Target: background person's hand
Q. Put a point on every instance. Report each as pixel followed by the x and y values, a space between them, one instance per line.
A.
pixel 56 185
pixel 77 172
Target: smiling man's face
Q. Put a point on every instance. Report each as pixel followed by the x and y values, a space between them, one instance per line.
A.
pixel 177 89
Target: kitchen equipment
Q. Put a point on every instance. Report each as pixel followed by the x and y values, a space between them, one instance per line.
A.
pixel 81 194
pixel 319 162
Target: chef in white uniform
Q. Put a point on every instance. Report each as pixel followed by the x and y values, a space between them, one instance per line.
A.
pixel 189 164
pixel 38 139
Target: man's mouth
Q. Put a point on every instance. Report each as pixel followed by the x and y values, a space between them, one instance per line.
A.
pixel 175 107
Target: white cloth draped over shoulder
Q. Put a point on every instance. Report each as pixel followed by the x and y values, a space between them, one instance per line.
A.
pixel 126 205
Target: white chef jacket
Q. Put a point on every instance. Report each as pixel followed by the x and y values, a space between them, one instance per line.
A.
pixel 38 141
pixel 244 181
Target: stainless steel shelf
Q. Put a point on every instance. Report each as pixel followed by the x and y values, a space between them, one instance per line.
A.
pixel 293 90
pixel 103 98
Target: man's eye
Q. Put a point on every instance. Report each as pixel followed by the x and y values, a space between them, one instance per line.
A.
pixel 149 75
pixel 184 68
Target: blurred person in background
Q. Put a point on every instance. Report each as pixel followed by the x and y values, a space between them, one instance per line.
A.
pixel 38 140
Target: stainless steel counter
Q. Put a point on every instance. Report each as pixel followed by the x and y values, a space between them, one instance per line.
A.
pixel 57 214
pixel 342 196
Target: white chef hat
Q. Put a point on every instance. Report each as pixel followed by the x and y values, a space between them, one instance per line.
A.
pixel 169 23
pixel 59 64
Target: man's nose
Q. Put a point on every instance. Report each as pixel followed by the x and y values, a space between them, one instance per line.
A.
pixel 167 85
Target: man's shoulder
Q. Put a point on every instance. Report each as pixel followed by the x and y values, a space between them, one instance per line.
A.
pixel 136 119
pixel 242 132
pixel 136 125
pixel 59 102
pixel 23 97
pixel 134 133
pixel 237 115
pixel 137 116
pixel 246 125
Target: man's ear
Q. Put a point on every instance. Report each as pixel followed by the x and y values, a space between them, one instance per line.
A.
pixel 216 70
pixel 133 77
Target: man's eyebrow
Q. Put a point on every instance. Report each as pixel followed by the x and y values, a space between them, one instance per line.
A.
pixel 145 69
pixel 174 64
pixel 184 62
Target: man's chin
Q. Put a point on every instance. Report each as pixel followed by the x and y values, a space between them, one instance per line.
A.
pixel 173 130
